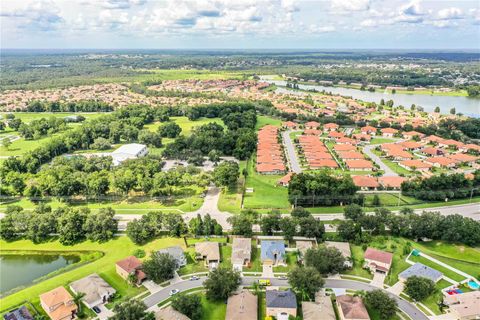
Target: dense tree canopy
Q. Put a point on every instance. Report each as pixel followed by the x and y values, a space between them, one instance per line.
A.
pixel 221 283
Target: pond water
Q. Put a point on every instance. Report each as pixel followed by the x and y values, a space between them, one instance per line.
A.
pixel 20 270
pixel 466 105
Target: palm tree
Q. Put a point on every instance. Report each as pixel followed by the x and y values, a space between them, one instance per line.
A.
pixel 77 299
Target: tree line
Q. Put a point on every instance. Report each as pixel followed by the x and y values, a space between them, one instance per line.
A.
pixel 71 106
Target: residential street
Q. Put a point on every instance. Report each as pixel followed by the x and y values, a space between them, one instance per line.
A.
pixel 290 152
pixel 368 151
pixel 157 297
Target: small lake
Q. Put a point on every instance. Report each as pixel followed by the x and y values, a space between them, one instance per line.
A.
pixel 21 270
pixel 466 105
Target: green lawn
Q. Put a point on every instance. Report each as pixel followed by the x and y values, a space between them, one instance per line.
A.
pixel 22 146
pixel 256 262
pixel 375 315
pixel 266 191
pixel 357 258
pixel 446 272
pixel 213 310
pixel 231 199
pixel 113 251
pixel 264 120
pixel 29 116
pixel 291 259
pixel 381 140
pixel 186 124
pixel 262 306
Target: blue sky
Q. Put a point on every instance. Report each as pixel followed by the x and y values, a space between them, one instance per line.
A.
pixel 251 24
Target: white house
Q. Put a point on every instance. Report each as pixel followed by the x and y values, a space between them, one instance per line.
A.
pixel 129 151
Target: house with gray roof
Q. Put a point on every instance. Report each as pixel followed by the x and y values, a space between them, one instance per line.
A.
pixel 177 253
pixel 421 270
pixel 273 252
pixel 281 303
pixel 97 291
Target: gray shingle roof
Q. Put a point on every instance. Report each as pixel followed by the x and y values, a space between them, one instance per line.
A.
pixel 421 270
pixel 270 249
pixel 281 299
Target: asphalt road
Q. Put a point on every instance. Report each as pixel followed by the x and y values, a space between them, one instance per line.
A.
pixel 291 155
pixel 405 306
pixel 368 151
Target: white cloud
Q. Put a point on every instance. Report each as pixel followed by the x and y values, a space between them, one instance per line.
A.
pixel 321 29
pixel 450 13
pixel 413 9
pixel 351 5
pixel 36 16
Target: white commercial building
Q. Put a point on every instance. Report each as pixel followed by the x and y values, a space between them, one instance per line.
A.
pixel 129 151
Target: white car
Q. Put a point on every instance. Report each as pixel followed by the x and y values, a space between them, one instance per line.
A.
pixel 193 278
pixel 174 292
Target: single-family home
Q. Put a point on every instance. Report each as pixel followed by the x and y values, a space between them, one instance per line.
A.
pixel 369 130
pixel 131 266
pixel 302 247
pixel 242 306
pixel 463 158
pixel 432 151
pixel 365 182
pixel 128 151
pixel 410 134
pixel 322 307
pixel 470 147
pixel 344 147
pixel 420 270
pixel 450 143
pixel 351 308
pixel 209 252
pixel 392 182
pixel 377 260
pixel 241 252
pixel 344 248
pixel 177 253
pixel 465 306
pixel 281 303
pixel 97 291
pixel 21 313
pixel 285 180
pixel 273 252
pixel 289 125
pixel 169 313
pixel 441 162
pixel 312 125
pixel 358 165
pixel 58 304
pixel 415 164
pixel 330 127
pixel 388 132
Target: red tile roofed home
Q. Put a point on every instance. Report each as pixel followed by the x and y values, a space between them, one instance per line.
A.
pixel 359 165
pixel 330 127
pixel 351 308
pixel 130 266
pixel 289 125
pixel 285 179
pixel 350 155
pixel 388 132
pixel 323 163
pixel 269 151
pixel 411 134
pixel 345 140
pixel 411 145
pixel 440 162
pixel 391 182
pixel 336 135
pixel 415 165
pixel 450 143
pixel 470 147
pixel 377 260
pixel 58 304
pixel 312 125
pixel 365 182
pixel 362 137
pixel 463 158
pixel 369 130
pixel 344 147
pixel 432 139
pixel 398 154
pixel 431 151
pixel 312 132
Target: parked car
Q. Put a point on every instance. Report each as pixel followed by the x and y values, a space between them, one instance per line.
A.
pixel 96 309
pixel 283 278
pixel 264 282
pixel 193 278
pixel 174 292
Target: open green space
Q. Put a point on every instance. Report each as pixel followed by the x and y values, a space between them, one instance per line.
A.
pixel 381 140
pixel 213 310
pixel 29 116
pixel 265 120
pixel 186 124
pixel 358 261
pixel 291 260
pixel 113 251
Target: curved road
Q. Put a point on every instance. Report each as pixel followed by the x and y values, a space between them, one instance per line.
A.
pixel 411 310
pixel 368 151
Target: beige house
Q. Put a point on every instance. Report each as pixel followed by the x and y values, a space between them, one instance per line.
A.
pixel 241 252
pixel 242 306
pixel 169 313
pixel 58 304
pixel 322 306
pixel 302 247
pixel 351 308
pixel 209 252
pixel 465 306
pixel 377 260
pixel 97 291
pixel 281 304
pixel 344 248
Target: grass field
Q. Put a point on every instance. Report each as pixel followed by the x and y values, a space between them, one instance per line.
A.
pixel 358 260
pixel 264 120
pixel 186 124
pixel 213 310
pixel 113 251
pixel 380 140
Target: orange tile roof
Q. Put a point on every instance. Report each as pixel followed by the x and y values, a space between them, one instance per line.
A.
pixel 391 182
pixel 350 155
pixel 344 147
pixel 365 181
pixel 359 164
pixel 441 161
pixel 462 157
pixel 58 302
pixel 416 164
pixel 389 130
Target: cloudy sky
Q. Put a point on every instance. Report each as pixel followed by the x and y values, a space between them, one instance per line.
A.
pixel 330 24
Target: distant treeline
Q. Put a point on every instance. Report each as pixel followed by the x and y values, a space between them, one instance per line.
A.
pixel 80 106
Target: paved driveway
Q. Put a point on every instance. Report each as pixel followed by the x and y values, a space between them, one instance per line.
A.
pixel 397 288
pixel 290 150
pixel 378 279
pixel 368 151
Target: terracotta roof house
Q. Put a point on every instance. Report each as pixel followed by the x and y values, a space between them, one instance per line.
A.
pixel 369 130
pixel 391 182
pixel 450 143
pixel 415 165
pixel 470 147
pixel 21 313
pixel 344 248
pixel 411 145
pixel 362 136
pixel 346 140
pixel 359 165
pixel 336 134
pixel 241 252
pixel 208 251
pixel 312 132
pixel 312 125
pixel 350 155
pixel 285 180
pixel 377 260
pixel 388 132
pixel 465 306
pixel 344 147
pixel 330 127
pixel 242 306
pixel 97 291
pixel 128 266
pixel 280 303
pixel 273 252
pixel 289 124
pixel 432 151
pixel 177 253
pixel 432 138
pixel 463 158
pixel 58 304
pixel 411 134
pixel 323 163
pixel 399 154
pixel 365 182
pixel 420 270
pixel 351 308
pixel 441 162
pixel 169 313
